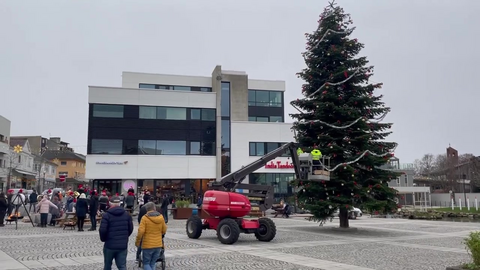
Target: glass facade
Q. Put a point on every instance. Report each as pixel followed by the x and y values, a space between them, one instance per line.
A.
pixel 225 112
pixel 176 113
pixel 175 87
pixel 108 111
pixel 279 181
pixel 263 98
pixel 262 148
pixel 107 147
pixel 278 119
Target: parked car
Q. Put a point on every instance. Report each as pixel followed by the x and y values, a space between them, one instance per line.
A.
pixel 353 214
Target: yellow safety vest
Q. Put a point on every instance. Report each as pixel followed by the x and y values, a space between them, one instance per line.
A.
pixel 299 151
pixel 316 154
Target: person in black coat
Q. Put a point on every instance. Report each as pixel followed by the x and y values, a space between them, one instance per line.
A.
pixel 165 202
pixel 92 210
pixel 3 208
pixel 81 209
pixel 33 200
pixel 143 210
pixel 9 202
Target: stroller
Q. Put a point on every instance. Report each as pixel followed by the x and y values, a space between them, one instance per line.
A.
pixel 160 259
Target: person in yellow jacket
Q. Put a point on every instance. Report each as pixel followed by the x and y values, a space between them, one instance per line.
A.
pixel 299 151
pixel 150 236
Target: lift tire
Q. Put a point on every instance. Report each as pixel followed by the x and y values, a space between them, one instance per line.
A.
pixel 194 227
pixel 228 231
pixel 266 230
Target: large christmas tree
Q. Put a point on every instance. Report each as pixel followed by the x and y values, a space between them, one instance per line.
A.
pixel 340 115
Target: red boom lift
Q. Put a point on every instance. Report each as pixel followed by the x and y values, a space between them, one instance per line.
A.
pixel 226 209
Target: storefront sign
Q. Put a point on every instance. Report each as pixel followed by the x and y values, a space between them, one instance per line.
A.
pixel 279 165
pixel 111 163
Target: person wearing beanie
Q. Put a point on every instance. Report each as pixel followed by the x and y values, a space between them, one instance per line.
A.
pixel 81 208
pixel 81 190
pixel 103 202
pixel 115 229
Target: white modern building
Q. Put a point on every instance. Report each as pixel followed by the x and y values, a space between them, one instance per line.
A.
pixel 161 131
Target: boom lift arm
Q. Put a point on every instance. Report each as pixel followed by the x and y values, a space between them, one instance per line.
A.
pixel 263 194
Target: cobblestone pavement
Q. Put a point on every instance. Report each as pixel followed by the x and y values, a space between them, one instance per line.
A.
pixel 383 244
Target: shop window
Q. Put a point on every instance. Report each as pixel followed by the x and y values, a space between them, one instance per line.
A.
pixel 171 148
pixel 106 147
pixel 108 111
pixel 147 147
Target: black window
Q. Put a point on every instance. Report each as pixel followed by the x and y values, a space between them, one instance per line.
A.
pixel 171 147
pixel 208 114
pixel 263 98
pixel 171 113
pixel 262 148
pixel 108 111
pixel 195 148
pixel 147 147
pixel 195 114
pixel 63 163
pixel 107 146
pixel 208 148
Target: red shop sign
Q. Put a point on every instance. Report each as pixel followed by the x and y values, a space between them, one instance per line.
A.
pixel 279 165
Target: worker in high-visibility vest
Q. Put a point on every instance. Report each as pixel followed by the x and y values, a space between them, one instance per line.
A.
pixel 299 151
pixel 316 155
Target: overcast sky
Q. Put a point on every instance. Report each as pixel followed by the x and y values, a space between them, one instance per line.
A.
pixel 423 51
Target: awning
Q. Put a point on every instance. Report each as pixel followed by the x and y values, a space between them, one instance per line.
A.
pixel 25 173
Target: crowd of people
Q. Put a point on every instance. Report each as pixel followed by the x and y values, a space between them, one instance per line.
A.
pixel 116 223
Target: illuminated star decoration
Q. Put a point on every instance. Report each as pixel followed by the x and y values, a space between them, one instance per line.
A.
pixel 17 149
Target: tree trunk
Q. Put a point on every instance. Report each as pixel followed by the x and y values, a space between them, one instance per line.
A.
pixel 343 216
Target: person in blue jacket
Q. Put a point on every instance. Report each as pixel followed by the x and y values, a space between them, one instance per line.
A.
pixel 115 228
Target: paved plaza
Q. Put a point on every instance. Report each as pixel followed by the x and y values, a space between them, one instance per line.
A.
pixel 383 244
